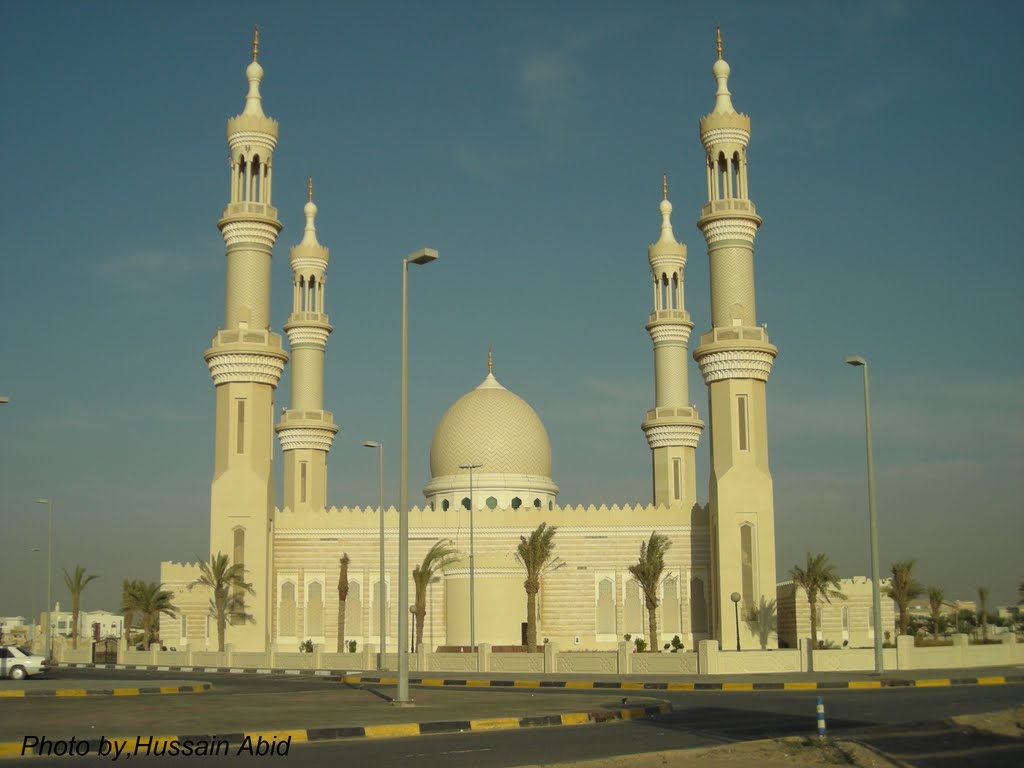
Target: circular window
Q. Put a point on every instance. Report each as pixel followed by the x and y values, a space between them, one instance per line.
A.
pixel 491 502
pixel 517 503
pixel 444 505
pixel 536 503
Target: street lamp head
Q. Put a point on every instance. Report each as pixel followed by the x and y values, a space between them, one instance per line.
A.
pixel 42 501
pixel 735 597
pixel 422 256
pixel 856 360
pixel 4 399
pixel 370 444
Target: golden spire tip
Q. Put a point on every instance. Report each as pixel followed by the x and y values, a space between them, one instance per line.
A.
pixel 718 35
pixel 664 185
pixel 311 189
pixel 256 42
pixel 490 359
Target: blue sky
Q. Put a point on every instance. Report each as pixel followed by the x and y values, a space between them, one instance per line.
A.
pixel 525 141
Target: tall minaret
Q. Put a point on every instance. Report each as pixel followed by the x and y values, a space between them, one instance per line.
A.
pixel 673 427
pixel 735 359
pixel 306 430
pixel 245 361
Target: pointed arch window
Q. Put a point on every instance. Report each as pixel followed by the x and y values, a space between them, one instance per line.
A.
pixel 606 606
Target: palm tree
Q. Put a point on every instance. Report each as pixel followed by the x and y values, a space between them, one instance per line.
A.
pixel 983 601
pixel 763 619
pixel 935 598
pixel 76 585
pixel 647 572
pixel 129 606
pixel 342 597
pixel 902 588
pixel 152 600
pixel 437 557
pixel 229 587
pixel 818 579
pixel 534 553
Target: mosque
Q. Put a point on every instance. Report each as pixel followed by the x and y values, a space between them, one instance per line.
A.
pixel 490 458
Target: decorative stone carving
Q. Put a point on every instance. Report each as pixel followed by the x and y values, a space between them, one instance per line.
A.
pixel 311 438
pixel 670 333
pixel 242 138
pixel 669 435
pixel 735 364
pixel 228 367
pixel 724 136
pixel 249 231
pixel 729 229
pixel 308 335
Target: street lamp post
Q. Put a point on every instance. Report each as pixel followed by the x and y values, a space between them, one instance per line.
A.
pixel 876 600
pixel 735 597
pixel 380 490
pixel 49 577
pixel 422 256
pixel 472 558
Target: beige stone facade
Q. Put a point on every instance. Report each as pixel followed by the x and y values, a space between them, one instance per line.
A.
pixel 841 623
pixel 588 599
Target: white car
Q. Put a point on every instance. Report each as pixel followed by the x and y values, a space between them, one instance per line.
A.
pixel 19 663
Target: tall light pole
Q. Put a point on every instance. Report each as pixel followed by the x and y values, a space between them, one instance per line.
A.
pixel 381 601
pixel 422 256
pixel 49 577
pixel 876 600
pixel 472 557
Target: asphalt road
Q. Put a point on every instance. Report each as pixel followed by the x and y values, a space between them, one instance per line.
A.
pixel 905 721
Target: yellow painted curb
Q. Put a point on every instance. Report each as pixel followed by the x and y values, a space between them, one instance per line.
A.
pixel 432 681
pixel 12 694
pixel 10 749
pixel 296 736
pixel 388 731
pixel 994 680
pixel 681 687
pixel 350 679
pixel 799 686
pixel 632 714
pixel 632 686
pixel 126 691
pixel 864 684
pixel 70 692
pixel 389 681
pixel 737 686
pixel 526 684
pixel 578 684
pixel 494 723
pixel 931 683
pixel 575 718
pixel 478 683
pixel 198 688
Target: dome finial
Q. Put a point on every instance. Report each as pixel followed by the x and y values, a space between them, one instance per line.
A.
pixel 718 36
pixel 256 42
pixel 490 359
pixel 664 185
pixel 665 207
pixel 310 189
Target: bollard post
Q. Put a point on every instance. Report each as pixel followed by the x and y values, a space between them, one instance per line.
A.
pixel 821 717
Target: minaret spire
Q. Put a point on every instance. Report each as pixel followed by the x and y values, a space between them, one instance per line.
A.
pixel 490 359
pixel 673 427
pixel 246 360
pixel 718 36
pixel 306 430
pixel 256 42
pixel 735 359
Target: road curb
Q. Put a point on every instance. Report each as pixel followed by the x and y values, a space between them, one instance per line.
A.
pixel 665 686
pixel 235 743
pixel 628 685
pixel 80 692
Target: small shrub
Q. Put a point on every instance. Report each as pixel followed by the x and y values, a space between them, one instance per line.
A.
pixel 640 645
pixel 677 644
pixel 306 647
pixel 627 637
pixel 351 646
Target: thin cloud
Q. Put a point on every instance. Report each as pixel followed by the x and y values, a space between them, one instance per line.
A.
pixel 147 270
